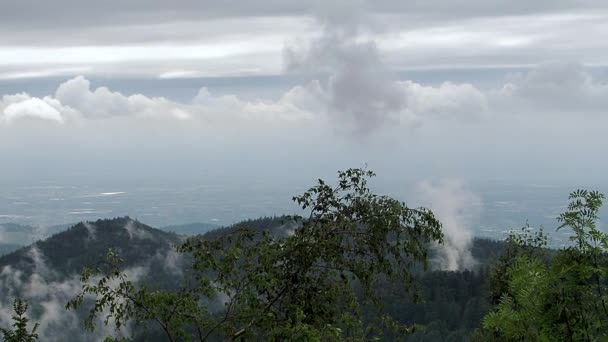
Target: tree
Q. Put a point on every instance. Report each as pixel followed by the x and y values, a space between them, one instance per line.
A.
pixel 20 322
pixel 310 285
pixel 561 298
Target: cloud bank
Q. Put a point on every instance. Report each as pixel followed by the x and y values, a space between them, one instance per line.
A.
pixel 356 103
pixel 356 96
pixel 564 87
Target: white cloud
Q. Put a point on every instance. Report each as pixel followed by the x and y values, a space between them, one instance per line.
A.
pixel 361 94
pixel 102 102
pixel 351 99
pixel 91 230
pixel 449 100
pixel 556 86
pixel 344 101
pixel 136 232
pixel 33 107
pixel 25 107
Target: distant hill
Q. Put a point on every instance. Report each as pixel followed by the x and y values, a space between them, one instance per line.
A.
pixel 190 229
pixel 87 243
pixel 46 273
pixel 278 225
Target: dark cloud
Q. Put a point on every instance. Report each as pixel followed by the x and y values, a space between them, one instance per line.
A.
pixel 69 21
pixel 361 92
pixel 208 38
pixel 33 13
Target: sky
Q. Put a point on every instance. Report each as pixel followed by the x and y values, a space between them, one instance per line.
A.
pixel 281 91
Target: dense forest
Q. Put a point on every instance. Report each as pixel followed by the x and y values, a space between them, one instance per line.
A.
pixel 359 267
pixel 452 306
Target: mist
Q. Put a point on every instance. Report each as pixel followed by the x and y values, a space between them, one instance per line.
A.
pixel 457 208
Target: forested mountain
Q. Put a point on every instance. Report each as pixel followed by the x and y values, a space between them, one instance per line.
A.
pixel 46 273
pixel 87 243
pixel 360 266
pixel 196 228
pixel 452 305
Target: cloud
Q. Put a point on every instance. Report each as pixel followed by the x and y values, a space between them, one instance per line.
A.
pixel 22 106
pixel 91 230
pixel 456 208
pixel 136 232
pixel 75 99
pixel 449 100
pixel 361 94
pixel 171 261
pixel 218 39
pixel 102 102
pixel 357 95
pixel 296 105
pixel 556 87
pixel 70 15
pixel 360 102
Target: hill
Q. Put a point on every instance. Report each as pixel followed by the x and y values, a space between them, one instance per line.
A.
pixel 46 274
pixel 453 302
pixel 87 243
pixel 196 228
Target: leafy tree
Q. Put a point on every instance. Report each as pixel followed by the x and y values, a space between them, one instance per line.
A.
pixel 561 298
pixel 529 242
pixel 20 322
pixel 311 285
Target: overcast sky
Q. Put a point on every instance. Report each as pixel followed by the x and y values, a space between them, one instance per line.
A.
pixel 472 89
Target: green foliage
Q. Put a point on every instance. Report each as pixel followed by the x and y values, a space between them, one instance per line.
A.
pixel 581 217
pixel 561 298
pixel 527 241
pixel 520 314
pixel 20 332
pixel 310 285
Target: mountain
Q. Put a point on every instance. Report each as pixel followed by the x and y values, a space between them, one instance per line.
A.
pixel 87 244
pixel 280 226
pixel 46 274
